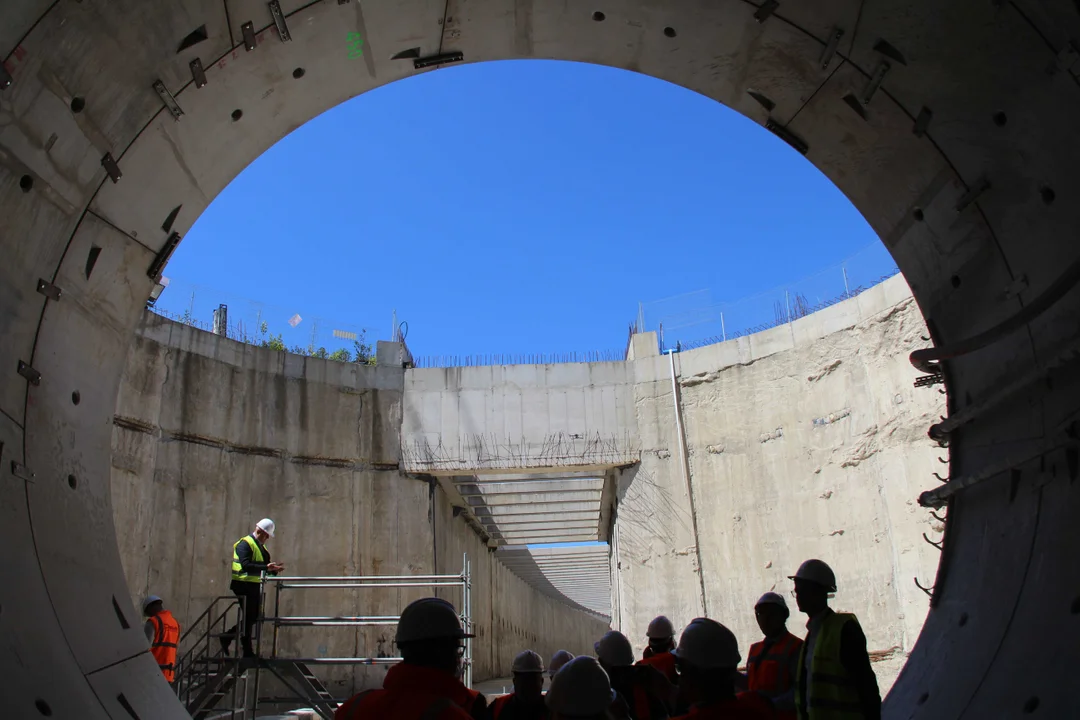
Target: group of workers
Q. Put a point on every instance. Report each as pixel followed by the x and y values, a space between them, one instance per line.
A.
pixel 827 676
pixel 250 561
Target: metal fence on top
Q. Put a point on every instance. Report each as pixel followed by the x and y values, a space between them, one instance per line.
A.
pixel 695 318
pixel 265 324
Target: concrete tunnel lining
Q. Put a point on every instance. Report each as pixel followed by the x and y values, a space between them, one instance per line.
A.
pixel 960 161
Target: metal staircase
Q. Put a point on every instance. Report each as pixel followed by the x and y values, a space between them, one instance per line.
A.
pixel 214 685
pixel 207 680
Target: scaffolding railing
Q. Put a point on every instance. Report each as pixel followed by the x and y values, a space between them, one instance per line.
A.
pixel 280 584
pixel 205 674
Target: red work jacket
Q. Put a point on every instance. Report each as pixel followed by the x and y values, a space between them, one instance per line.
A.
pixel 768 671
pixel 410 692
pixel 664 662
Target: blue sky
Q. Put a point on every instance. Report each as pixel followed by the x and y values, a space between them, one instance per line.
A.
pixel 520 207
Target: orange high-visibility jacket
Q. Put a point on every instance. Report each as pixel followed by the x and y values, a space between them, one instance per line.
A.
pixel 166 636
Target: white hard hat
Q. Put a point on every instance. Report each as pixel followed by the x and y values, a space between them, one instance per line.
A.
pixel 150 601
pixel 429 619
pixel 771 598
pixel 266 525
pixel 559 659
pixel 816 571
pixel 708 645
pixel 528 662
pixel 614 649
pixel 660 628
pixel 580 688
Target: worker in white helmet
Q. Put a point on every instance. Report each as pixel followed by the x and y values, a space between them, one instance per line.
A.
pixel 707 657
pixel 426 684
pixel 661 636
pixel 833 679
pixel 560 658
pixel 527 700
pixel 249 561
pixel 645 692
pixel 772 665
pixel 581 690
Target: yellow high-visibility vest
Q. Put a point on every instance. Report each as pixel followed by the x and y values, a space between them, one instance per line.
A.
pixel 832 694
pixel 256 555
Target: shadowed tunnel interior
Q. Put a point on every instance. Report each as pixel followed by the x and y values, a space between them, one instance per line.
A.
pixel 950 126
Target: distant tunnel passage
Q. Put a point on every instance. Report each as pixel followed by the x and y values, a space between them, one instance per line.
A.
pixel 951 126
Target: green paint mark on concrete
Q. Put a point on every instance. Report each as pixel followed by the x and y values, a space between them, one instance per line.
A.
pixel 356 45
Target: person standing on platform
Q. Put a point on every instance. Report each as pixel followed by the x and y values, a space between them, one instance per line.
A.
pixel 249 561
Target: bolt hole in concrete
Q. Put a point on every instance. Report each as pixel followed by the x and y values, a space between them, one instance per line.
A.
pixel 73 482
pixel 669 31
pixel 1076 606
pixel 1000 119
pixel 598 16
pixel 237 114
pixel 1048 195
pixel 75 397
pixel 43 707
pixel 963 619
pixel 1031 705
pixel 917 213
pixel 77 105
pixel 26 183
pixel 955 280
pixel 923 698
pixel 298 73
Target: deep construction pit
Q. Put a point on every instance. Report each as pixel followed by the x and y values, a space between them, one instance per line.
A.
pixel 950 126
pixel 804 440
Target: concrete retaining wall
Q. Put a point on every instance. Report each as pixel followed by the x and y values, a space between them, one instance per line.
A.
pixel 804 440
pixel 807 440
pixel 210 435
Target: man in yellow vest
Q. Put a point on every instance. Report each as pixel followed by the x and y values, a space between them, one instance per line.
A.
pixel 834 677
pixel 163 634
pixel 250 559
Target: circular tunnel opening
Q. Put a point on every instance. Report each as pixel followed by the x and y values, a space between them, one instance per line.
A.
pixel 124 185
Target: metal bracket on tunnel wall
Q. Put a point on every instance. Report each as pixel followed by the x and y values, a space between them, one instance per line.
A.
pixel 32 375
pixel 47 289
pixel 21 471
